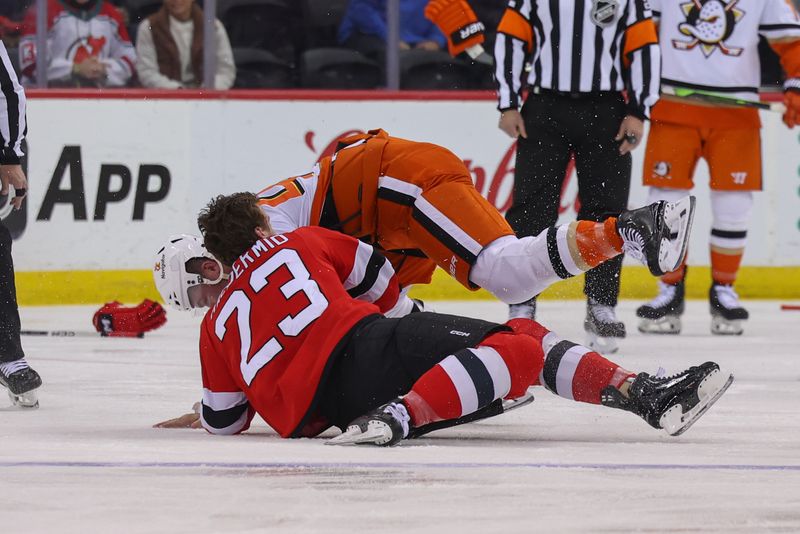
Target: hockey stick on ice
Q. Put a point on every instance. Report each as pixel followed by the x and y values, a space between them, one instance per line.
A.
pixel 714 98
pixel 73 333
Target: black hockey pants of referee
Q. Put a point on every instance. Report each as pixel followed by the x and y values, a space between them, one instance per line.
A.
pixel 10 346
pixel 558 124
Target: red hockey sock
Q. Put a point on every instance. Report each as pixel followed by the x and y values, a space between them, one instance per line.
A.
pixel 593 374
pixel 504 365
pixel 575 372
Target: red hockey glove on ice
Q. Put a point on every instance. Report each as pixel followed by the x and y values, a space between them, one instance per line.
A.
pixel 458 22
pixel 792 100
pixel 116 320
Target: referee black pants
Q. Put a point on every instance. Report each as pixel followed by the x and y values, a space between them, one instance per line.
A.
pixel 559 125
pixel 10 346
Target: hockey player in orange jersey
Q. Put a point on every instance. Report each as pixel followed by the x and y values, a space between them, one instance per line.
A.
pixel 711 46
pixel 417 204
pixel 295 335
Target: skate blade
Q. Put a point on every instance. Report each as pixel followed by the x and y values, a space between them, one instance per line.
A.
pixel 723 327
pixel 519 402
pixel 377 433
pixel 682 214
pixel 603 345
pixel 26 401
pixel 667 325
pixel 711 388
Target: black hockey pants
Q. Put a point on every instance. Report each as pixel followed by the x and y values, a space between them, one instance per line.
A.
pixel 585 125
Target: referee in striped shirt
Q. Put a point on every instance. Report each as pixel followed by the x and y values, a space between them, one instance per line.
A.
pixel 576 57
pixel 15 373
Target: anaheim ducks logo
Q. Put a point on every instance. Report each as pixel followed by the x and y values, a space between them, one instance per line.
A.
pixel 662 169
pixel 709 23
pixel 604 12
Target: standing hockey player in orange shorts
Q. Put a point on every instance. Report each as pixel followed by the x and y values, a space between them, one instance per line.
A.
pixel 711 46
pixel 417 204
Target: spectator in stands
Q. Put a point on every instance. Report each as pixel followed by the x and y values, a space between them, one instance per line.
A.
pixel 170 48
pixel 363 28
pixel 14 9
pixel 87 42
pixel 10 33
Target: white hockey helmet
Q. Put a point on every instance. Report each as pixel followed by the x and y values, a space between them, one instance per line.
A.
pixel 170 275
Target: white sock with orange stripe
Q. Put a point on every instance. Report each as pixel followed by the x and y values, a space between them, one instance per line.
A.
pixel 731 216
pixel 516 270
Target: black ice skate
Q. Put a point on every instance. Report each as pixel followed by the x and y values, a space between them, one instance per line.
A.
pixel 658 234
pixel 21 382
pixel 525 310
pixel 662 315
pixel 602 328
pixel 727 315
pixel 384 426
pixel 674 402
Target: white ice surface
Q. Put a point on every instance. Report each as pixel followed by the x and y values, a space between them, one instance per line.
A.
pixel 89 461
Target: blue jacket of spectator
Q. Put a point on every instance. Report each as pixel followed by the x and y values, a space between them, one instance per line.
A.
pixel 369 17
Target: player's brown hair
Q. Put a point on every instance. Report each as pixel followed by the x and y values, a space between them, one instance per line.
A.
pixel 228 224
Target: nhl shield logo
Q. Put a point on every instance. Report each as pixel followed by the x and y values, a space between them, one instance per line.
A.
pixel 604 12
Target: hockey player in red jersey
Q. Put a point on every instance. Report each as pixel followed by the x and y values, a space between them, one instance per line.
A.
pixel 297 336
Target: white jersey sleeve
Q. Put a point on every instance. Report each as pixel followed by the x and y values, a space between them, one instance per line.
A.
pixel 288 203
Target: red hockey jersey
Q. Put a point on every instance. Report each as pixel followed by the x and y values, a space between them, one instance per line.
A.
pixel 266 345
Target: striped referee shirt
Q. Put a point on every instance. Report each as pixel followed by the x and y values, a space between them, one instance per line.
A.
pixel 13 126
pixel 578 46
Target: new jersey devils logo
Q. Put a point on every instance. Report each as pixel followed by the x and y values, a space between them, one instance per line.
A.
pixel 709 23
pixel 85 48
pixel 604 12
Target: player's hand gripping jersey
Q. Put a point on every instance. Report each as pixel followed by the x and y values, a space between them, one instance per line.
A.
pixel 712 45
pixel 415 201
pixel 266 345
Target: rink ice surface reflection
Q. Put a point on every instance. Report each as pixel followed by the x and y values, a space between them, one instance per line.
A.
pixel 88 459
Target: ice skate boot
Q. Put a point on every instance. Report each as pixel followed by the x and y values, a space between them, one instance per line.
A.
pixel 727 314
pixel 662 315
pixel 602 328
pixel 525 310
pixel 384 426
pixel 674 402
pixel 21 382
pixel 657 235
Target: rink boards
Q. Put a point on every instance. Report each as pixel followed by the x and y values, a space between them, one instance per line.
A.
pixel 113 174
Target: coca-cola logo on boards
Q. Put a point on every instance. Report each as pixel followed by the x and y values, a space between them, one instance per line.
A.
pixel 497 189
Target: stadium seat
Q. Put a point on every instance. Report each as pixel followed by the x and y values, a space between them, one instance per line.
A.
pixel 481 75
pixel 321 19
pixel 427 69
pixel 338 68
pixel 266 24
pixel 138 10
pixel 259 69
